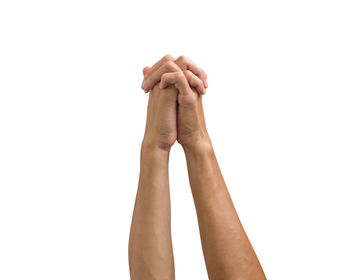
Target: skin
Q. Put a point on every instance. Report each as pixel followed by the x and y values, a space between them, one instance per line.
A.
pixel 150 247
pixel 226 247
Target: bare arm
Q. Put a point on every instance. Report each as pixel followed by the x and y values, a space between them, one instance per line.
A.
pixel 150 247
pixel 227 250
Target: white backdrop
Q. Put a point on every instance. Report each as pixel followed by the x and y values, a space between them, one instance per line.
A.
pixel 72 117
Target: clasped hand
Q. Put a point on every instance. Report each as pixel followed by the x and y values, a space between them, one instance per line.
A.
pixel 175 110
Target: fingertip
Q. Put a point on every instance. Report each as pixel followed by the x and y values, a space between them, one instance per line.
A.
pixel 144 88
pixel 145 84
pixel 145 70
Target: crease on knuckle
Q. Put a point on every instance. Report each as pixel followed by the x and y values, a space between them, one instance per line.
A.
pixel 180 75
pixel 164 76
pixel 168 57
pixel 182 58
pixel 188 73
pixel 170 66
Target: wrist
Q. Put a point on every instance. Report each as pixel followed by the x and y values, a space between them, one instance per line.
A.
pixel 149 146
pixel 198 145
pixel 153 156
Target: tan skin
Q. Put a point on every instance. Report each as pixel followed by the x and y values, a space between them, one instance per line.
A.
pixel 175 112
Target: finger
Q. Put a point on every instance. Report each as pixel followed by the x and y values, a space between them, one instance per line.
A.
pixel 187 64
pixel 157 65
pixel 155 77
pixel 145 70
pixel 195 82
pixel 177 79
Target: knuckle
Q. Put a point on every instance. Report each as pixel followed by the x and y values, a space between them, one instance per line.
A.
pixel 182 58
pixel 187 73
pixel 169 65
pixel 168 57
pixel 164 76
pixel 179 75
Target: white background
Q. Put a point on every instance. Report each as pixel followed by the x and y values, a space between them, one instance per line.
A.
pixel 72 117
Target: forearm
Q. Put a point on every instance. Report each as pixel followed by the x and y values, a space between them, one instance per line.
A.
pixel 150 248
pixel 227 250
